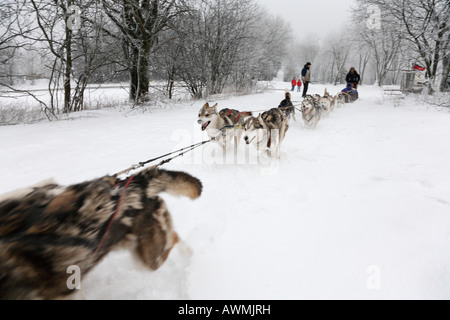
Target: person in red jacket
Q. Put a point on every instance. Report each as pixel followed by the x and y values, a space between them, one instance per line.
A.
pixel 299 85
pixel 294 83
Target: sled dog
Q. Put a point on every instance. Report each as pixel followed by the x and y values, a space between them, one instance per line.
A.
pixel 331 98
pixel 47 228
pixel 289 112
pixel 311 112
pixel 223 126
pixel 325 105
pixel 340 99
pixel 267 131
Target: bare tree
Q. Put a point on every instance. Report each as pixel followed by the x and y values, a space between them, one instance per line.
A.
pixel 424 24
pixel 336 50
pixel 261 55
pixel 14 26
pixel 364 56
pixel 220 43
pixel 227 24
pixel 73 46
pixel 57 36
pixel 182 53
pixel 271 45
pixel 140 22
pixel 300 52
pixel 384 43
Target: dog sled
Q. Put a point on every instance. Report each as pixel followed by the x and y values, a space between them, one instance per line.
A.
pixel 350 94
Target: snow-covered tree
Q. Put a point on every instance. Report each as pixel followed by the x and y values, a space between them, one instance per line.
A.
pixel 219 44
pixel 422 24
pixel 139 23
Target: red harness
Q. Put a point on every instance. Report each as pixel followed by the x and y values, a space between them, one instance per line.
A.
pixel 127 184
pixel 230 113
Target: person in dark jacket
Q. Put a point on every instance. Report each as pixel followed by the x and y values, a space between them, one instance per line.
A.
pixel 286 102
pixel 353 78
pixel 306 78
pixel 287 107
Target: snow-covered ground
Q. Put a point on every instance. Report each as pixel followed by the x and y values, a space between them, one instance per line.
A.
pixel 358 208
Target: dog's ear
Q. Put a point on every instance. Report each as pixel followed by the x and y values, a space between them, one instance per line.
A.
pixel 214 107
pixel 206 105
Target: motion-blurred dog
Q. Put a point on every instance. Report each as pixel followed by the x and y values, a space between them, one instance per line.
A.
pixel 47 228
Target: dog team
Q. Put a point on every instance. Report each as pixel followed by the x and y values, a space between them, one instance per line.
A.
pixel 46 228
pixel 266 131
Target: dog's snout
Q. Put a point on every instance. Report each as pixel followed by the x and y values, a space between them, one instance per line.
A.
pixel 200 122
pixel 246 138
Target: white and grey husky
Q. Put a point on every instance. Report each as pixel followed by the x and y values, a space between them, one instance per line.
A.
pixel 267 131
pixel 327 103
pixel 223 126
pixel 311 112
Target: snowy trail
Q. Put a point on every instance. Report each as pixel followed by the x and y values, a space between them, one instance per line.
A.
pixel 369 187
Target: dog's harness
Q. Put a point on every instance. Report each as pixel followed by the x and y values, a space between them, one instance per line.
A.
pixel 223 132
pixel 269 138
pixel 111 219
pixel 230 113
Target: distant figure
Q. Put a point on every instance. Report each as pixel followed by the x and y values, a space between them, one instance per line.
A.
pixel 353 78
pixel 351 93
pixel 294 83
pixel 299 85
pixel 306 77
pixel 286 102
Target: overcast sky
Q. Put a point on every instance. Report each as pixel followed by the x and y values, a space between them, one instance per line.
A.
pixel 308 17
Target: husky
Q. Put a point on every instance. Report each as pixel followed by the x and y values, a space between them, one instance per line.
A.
pixel 267 131
pixel 223 126
pixel 333 100
pixel 340 99
pixel 315 98
pixel 326 103
pixel 311 112
pixel 47 228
